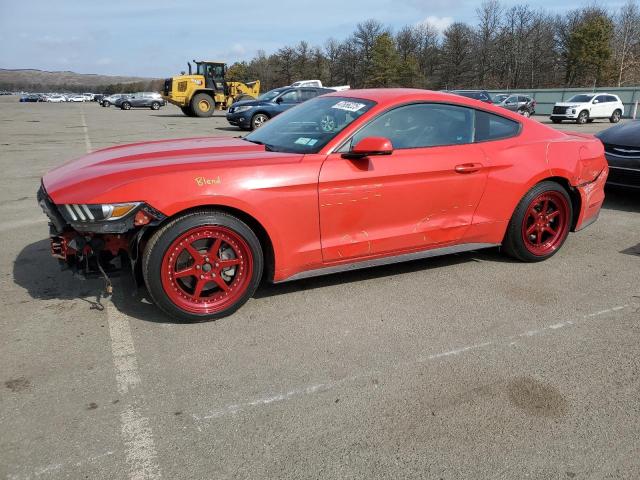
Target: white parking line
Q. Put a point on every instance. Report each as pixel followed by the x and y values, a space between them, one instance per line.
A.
pixel 140 449
pixel 85 129
pixel 512 340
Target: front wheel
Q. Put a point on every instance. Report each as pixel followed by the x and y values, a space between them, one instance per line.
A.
pixel 202 266
pixel 540 223
pixel 258 120
pixel 583 117
pixel 615 116
pixel 202 105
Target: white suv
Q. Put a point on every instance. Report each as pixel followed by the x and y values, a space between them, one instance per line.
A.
pixel 585 107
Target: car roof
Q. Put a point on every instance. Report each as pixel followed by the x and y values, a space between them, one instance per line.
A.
pixel 394 95
pixel 390 96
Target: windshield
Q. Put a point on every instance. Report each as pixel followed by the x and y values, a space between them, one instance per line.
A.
pixel 581 98
pixel 309 126
pixel 270 95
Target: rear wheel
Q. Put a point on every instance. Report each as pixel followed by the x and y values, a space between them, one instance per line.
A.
pixel 126 106
pixel 583 117
pixel 202 105
pixel 615 116
pixel 202 266
pixel 155 106
pixel 540 223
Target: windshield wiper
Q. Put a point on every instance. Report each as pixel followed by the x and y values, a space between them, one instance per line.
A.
pixel 267 147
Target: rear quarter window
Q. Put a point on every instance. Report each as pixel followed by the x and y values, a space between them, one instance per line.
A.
pixel 494 127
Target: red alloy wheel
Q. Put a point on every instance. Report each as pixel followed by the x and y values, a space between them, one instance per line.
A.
pixel 207 269
pixel 546 223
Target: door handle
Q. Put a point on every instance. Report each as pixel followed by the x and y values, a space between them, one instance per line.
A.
pixel 468 167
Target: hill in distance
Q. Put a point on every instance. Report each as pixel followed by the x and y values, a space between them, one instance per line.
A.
pixel 42 80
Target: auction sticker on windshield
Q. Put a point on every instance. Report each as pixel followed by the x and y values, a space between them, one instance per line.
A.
pixel 349 106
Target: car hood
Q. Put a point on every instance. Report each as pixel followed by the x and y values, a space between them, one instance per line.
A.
pixel 626 134
pixel 90 178
pixel 250 103
pixel 568 104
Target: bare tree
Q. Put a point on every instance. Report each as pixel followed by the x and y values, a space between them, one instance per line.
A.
pixel 486 36
pixel 626 43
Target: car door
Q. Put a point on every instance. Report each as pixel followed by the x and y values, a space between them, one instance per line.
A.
pixel 287 100
pixel 420 196
pixel 599 107
pixel 511 103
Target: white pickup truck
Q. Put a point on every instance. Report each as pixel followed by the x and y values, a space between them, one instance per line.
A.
pixel 318 84
pixel 585 107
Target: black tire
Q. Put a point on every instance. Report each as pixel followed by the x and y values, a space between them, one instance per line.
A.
pixel 525 113
pixel 161 240
pixel 125 106
pixel 556 120
pixel 513 243
pixel 155 106
pixel 258 120
pixel 583 117
pixel 202 105
pixel 106 103
pixel 187 111
pixel 615 116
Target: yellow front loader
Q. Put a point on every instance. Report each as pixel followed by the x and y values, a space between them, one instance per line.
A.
pixel 199 93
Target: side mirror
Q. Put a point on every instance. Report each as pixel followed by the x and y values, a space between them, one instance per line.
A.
pixel 279 100
pixel 368 147
pixel 596 101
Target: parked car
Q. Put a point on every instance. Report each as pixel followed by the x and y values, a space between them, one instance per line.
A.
pixel 98 97
pixel 337 183
pixel 111 99
pixel 75 98
pixel 150 100
pixel 56 99
pixel 622 149
pixel 32 97
pixel 318 84
pixel 252 114
pixel 481 95
pixel 586 107
pixel 521 104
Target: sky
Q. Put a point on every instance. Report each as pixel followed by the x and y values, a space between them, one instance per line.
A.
pixel 155 38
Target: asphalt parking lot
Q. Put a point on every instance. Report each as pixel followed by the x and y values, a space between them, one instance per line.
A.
pixel 464 366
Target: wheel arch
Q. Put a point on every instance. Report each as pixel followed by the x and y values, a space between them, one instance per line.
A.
pixel 254 224
pixel 574 195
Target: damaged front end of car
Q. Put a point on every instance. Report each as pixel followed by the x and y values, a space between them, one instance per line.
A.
pixel 95 240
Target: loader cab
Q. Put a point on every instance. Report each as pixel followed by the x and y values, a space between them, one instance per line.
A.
pixel 213 73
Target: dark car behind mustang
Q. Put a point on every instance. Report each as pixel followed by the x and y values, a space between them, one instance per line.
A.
pixel 622 149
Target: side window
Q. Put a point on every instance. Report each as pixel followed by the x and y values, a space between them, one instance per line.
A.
pixel 512 99
pixel 290 97
pixel 421 125
pixel 601 98
pixel 612 99
pixel 307 94
pixel 494 127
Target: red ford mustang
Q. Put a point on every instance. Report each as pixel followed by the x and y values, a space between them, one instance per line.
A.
pixel 344 181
